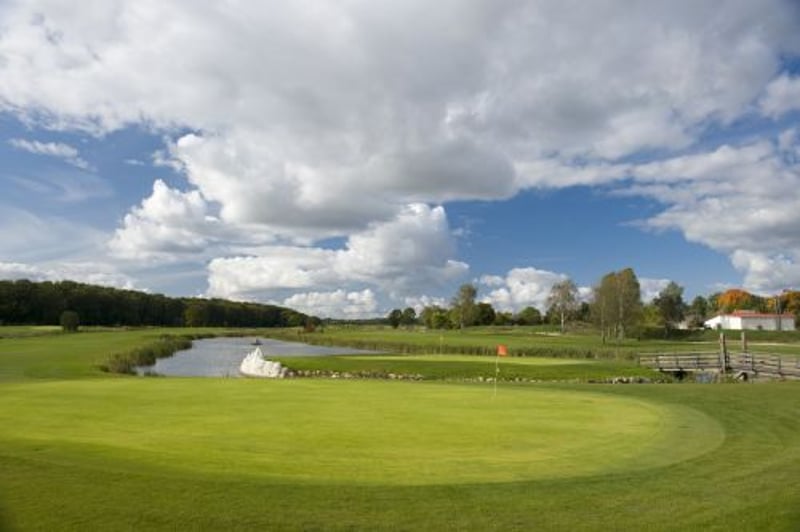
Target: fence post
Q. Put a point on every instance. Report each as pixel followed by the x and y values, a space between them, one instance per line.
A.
pixel 744 342
pixel 723 354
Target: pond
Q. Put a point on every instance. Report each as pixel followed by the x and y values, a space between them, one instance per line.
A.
pixel 221 357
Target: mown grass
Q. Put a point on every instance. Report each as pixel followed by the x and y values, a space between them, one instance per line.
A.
pixel 82 450
pixel 471 367
pixel 540 341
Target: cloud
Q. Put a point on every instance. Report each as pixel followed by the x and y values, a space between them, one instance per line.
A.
pixel 520 288
pixel 52 149
pixel 90 273
pixel 404 103
pixel 402 256
pixel 650 288
pixel 339 303
pixel 166 225
pixel 721 199
pixel 781 96
pixel 396 107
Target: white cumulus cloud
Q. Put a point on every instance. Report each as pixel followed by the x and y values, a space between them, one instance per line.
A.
pixel 520 288
pixel 339 303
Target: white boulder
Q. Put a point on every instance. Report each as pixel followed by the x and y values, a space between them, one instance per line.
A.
pixel 255 365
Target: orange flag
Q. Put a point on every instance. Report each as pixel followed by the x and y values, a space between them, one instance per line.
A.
pixel 502 350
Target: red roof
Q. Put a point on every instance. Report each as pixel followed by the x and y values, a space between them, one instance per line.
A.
pixel 754 314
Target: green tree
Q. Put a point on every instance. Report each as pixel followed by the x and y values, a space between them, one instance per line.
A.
pixel 698 311
pixel 617 306
pixel 434 317
pixel 69 321
pixel 670 305
pixel 484 314
pixel 408 317
pixel 503 318
pixel 529 316
pixel 196 313
pixel 395 317
pixel 463 311
pixel 563 301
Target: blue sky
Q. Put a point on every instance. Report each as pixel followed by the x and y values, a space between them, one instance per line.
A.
pixel 404 150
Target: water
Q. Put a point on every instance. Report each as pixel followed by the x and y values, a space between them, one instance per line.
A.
pixel 221 357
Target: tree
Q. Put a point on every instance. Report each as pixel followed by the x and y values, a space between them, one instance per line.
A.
pixel 196 313
pixel 736 299
pixel 698 311
pixel 434 317
pixel 617 306
pixel 395 317
pixel 529 316
pixel 670 305
pixel 484 314
pixel 69 321
pixel 503 318
pixel 563 301
pixel 463 311
pixel 408 317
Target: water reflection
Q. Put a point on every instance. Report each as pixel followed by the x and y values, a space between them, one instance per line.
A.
pixel 221 357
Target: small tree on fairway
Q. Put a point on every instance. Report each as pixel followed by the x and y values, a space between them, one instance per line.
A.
pixel 69 321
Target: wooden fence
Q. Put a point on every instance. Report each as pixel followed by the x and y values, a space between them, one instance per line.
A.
pixel 743 365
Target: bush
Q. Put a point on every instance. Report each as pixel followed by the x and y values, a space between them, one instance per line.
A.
pixel 69 321
pixel 146 355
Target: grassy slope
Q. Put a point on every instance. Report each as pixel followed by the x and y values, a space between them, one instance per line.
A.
pixel 749 482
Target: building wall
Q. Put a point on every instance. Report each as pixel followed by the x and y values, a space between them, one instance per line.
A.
pixel 750 323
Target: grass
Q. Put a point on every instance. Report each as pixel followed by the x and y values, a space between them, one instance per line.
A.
pixel 526 341
pixel 472 367
pixel 81 450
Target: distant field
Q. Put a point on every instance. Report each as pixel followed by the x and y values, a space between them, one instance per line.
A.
pixel 83 450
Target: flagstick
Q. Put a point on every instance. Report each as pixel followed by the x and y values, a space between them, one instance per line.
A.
pixel 496 372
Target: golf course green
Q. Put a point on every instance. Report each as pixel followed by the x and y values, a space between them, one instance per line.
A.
pixel 83 450
pixel 348 432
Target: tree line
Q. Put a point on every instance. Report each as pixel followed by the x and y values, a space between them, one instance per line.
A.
pixel 45 303
pixel 615 308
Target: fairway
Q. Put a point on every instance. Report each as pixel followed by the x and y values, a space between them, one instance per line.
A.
pixel 347 432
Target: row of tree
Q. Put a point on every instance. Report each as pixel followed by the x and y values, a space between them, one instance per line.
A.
pixel 465 311
pixel 616 308
pixel 26 302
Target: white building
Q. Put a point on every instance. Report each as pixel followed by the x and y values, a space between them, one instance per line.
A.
pixel 751 321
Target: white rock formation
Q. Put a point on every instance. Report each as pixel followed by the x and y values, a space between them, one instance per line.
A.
pixel 255 365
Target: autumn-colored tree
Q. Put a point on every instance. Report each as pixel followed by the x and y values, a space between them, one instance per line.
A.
pixel 736 299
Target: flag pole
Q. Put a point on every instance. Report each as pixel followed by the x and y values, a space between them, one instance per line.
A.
pixel 501 351
pixel 496 372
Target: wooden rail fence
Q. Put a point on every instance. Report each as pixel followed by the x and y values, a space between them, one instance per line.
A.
pixel 744 364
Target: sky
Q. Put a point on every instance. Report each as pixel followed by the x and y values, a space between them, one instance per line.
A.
pixel 346 158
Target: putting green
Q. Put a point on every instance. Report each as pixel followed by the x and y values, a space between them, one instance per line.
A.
pixel 346 431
